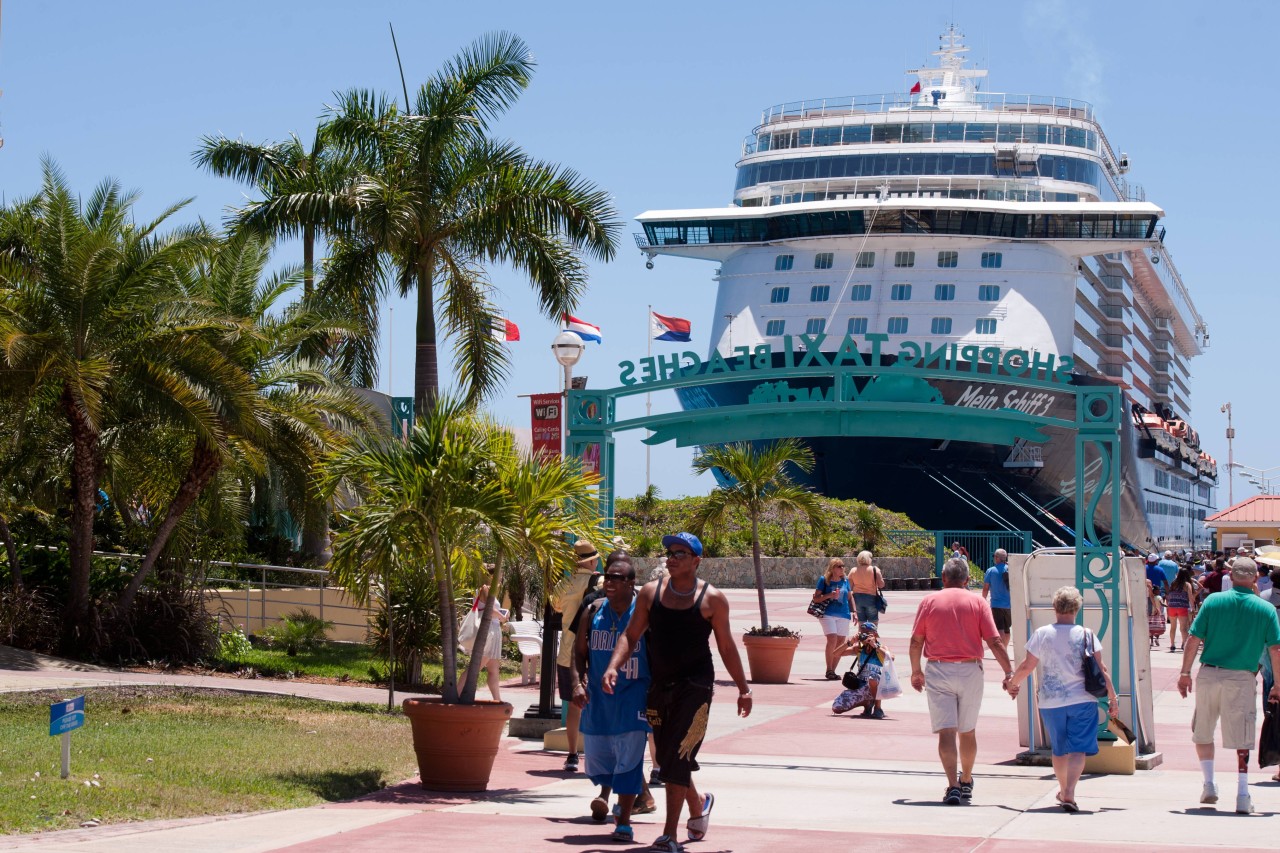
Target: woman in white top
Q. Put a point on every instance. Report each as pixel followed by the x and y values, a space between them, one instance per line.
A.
pixel 1069 712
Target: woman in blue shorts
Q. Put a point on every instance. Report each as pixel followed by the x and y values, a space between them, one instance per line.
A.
pixel 1069 712
pixel 833 588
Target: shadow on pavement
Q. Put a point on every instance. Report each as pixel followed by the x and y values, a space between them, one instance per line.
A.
pixel 336 785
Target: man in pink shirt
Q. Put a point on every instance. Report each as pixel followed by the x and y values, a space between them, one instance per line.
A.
pixel 951 626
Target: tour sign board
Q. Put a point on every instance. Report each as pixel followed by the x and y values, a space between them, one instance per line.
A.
pixel 817 385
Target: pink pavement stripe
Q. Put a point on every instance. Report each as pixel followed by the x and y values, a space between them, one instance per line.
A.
pixel 529 834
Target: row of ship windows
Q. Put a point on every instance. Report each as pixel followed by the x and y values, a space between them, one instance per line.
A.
pixel 1175 510
pixel 860 134
pixel 1060 168
pixel 901 260
pixel 897 293
pixel 894 326
pixel 1177 484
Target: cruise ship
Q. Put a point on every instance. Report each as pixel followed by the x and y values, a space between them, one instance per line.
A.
pixel 949 214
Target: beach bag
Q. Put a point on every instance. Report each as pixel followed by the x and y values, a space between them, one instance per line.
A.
pixel 468 629
pixel 818 609
pixel 1269 742
pixel 881 604
pixel 890 687
pixel 1094 681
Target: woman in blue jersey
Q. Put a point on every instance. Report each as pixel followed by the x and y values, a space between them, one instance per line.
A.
pixel 833 588
pixel 614 725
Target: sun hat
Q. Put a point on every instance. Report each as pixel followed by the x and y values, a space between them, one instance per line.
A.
pixel 686 539
pixel 588 556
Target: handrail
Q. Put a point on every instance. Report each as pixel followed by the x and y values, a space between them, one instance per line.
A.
pixel 995 101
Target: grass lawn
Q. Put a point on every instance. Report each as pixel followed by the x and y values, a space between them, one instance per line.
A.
pixel 149 753
pixel 355 662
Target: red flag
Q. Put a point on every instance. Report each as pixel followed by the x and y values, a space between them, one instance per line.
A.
pixel 505 330
pixel 915 90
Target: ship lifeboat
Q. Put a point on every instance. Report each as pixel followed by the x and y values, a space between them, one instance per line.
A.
pixel 1207 465
pixel 1177 427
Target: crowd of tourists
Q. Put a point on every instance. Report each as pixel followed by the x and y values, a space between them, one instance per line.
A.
pixel 636 669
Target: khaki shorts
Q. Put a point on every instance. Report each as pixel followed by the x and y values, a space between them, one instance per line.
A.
pixel 1229 694
pixel 955 694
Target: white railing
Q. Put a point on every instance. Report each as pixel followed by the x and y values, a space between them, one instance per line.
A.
pixel 995 101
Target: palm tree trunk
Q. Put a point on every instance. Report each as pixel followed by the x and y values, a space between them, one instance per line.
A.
pixel 426 369
pixel 755 559
pixel 86 465
pixel 448 622
pixel 308 262
pixel 205 463
pixel 471 680
pixel 11 551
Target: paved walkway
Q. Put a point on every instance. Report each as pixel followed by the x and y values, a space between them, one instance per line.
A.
pixel 793 776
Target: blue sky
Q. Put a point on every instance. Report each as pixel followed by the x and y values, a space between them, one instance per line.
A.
pixel 652 102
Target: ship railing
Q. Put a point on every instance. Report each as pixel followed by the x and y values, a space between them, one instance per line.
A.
pixel 864 104
pixel 941 186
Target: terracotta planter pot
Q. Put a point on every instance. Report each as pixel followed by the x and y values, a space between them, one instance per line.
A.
pixel 769 658
pixel 456 744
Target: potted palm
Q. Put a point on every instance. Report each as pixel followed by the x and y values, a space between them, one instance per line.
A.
pixel 758 480
pixel 429 505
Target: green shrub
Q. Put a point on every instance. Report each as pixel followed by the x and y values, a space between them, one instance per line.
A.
pixel 298 630
pixel 234 644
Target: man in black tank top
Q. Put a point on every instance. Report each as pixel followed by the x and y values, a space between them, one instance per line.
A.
pixel 679 614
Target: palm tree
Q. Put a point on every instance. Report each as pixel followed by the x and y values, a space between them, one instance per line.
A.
pixel 441 199
pixel 93 319
pixel 279 409
pixel 870 526
pixel 424 501
pixel 548 496
pixel 760 481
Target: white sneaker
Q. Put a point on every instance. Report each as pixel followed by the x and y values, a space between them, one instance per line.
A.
pixel 1210 793
pixel 1244 804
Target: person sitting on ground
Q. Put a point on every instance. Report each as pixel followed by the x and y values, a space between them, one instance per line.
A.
pixel 870 661
pixel 1069 712
pixel 833 588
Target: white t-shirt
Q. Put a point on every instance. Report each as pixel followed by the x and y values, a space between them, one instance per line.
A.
pixel 1060 650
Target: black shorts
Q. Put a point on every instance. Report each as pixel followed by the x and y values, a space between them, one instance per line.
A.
pixel 678 712
pixel 564 682
pixel 1004 618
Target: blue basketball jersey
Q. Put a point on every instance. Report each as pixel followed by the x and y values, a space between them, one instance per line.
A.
pixel 624 711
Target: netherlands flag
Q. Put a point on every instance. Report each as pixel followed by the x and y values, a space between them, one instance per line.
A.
pixel 668 328
pixel 586 331
pixel 505 330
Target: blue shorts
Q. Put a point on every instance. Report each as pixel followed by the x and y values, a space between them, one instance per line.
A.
pixel 1073 728
pixel 616 761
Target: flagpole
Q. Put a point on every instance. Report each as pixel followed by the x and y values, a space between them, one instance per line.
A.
pixel 648 397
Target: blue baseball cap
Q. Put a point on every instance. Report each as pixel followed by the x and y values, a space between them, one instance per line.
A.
pixel 686 539
pixel 867 626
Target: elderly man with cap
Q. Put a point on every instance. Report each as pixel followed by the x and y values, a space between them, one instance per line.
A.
pixel 1155 574
pixel 679 614
pixel 1236 628
pixel 568 602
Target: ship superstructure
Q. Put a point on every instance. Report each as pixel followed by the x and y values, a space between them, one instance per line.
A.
pixel 948 214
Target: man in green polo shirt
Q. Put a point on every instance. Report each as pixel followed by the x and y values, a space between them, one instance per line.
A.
pixel 1236 628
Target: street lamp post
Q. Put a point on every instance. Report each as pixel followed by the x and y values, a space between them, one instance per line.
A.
pixel 1260 477
pixel 1231 459
pixel 567 349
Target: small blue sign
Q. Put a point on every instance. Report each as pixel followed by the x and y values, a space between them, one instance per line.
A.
pixel 66 716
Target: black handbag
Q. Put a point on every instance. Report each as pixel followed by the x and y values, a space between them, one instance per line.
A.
pixel 1269 742
pixel 853 679
pixel 1094 681
pixel 881 604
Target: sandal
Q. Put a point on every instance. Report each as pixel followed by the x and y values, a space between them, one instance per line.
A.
pixel 1068 806
pixel 623 833
pixel 645 808
pixel 698 826
pixel 599 809
pixel 666 844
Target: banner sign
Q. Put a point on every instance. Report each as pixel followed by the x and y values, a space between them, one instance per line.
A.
pixel 806 351
pixel 546 420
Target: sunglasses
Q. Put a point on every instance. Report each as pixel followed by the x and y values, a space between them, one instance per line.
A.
pixel 618 578
pixel 678 555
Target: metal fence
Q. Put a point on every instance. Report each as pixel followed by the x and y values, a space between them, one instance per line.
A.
pixel 255 604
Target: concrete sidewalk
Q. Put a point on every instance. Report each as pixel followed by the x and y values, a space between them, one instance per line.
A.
pixel 792 776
